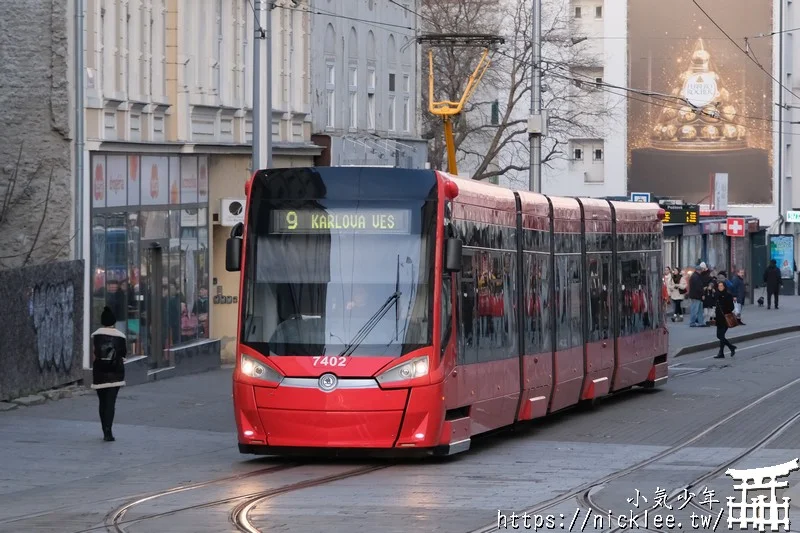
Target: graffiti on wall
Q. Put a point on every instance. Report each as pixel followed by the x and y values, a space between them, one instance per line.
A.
pixel 52 309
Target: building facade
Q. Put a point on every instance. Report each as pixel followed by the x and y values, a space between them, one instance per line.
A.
pixel 365 83
pixel 168 112
pixel 594 159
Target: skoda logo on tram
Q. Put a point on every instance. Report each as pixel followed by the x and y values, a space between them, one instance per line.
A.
pixel 328 382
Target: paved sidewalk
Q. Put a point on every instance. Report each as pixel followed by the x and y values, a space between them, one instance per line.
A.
pixel 759 322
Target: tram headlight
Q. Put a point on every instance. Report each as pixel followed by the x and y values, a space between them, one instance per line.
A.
pixel 254 369
pixel 414 368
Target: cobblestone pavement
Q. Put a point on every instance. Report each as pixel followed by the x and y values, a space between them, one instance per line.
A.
pixel 58 475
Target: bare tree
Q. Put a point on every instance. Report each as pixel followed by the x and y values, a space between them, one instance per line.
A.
pixel 491 136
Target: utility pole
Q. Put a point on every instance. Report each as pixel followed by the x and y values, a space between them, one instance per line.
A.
pixel 537 122
pixel 262 85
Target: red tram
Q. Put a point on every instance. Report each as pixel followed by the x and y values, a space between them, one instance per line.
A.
pixel 409 309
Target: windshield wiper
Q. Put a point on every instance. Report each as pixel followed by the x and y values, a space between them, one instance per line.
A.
pixel 370 324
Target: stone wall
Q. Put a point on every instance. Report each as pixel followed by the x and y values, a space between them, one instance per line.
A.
pixel 41 337
pixel 35 140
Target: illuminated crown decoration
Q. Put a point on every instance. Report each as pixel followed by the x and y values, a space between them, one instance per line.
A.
pixel 710 123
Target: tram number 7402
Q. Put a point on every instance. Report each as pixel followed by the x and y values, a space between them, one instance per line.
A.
pixel 330 361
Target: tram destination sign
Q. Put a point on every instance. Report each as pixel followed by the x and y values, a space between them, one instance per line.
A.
pixel 681 214
pixel 383 221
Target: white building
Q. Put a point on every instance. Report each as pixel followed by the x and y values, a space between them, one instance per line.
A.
pixel 365 83
pixel 168 137
pixel 594 165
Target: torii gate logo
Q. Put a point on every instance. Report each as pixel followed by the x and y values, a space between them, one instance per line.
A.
pixel 759 512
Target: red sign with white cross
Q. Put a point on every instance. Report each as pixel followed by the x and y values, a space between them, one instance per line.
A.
pixel 735 228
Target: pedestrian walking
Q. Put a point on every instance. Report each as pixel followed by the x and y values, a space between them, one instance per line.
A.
pixel 772 277
pixel 724 306
pixel 108 368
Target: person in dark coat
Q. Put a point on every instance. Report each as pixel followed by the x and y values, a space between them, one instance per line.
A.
pixel 724 304
pixel 772 277
pixel 108 368
pixel 696 296
pixel 709 303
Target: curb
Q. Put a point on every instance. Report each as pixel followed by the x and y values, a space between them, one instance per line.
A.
pixel 740 338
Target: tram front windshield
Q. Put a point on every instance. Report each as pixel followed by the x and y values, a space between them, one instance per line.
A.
pixel 339 279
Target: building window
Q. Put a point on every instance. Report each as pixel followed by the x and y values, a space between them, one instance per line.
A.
pixel 391 83
pixel 407 83
pixel 216 67
pixel 392 106
pixel 407 114
pixel 331 74
pixel 353 81
pixel 598 12
pixel 146 43
pixel 371 112
pixel 598 154
pixel 495 113
pixel 598 83
pixel 577 12
pixel 331 97
pixel 577 154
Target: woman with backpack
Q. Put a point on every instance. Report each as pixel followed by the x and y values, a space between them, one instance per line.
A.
pixel 108 368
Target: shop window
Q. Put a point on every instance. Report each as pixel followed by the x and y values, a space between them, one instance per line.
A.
pixel 148 262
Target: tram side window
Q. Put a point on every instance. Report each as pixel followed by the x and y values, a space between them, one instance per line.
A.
pixel 633 294
pixel 467 352
pixel 509 307
pixel 568 302
pixel 599 305
pixel 447 309
pixel 491 301
pixel 594 290
pixel 537 303
pixel 654 261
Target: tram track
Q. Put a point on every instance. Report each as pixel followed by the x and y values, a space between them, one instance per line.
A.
pixel 240 516
pixel 583 492
pixel 116 522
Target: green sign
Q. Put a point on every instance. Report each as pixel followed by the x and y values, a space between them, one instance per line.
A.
pixel 388 221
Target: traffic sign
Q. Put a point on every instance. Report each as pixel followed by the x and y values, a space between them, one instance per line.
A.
pixel 640 197
pixel 735 227
pixel 793 216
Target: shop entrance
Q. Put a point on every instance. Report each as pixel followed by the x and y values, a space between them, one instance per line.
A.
pixel 155 307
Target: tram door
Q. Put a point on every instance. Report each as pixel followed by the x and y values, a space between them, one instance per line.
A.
pixel 155 286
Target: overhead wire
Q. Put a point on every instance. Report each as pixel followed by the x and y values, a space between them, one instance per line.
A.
pixel 753 59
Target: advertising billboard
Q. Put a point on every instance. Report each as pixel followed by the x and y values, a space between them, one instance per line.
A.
pixel 710 111
pixel 781 249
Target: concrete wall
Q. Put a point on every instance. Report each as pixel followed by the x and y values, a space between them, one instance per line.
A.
pixel 35 111
pixel 41 337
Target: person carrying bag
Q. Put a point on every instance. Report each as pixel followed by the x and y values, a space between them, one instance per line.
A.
pixel 725 319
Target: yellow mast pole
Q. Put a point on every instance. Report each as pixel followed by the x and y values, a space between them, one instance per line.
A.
pixel 447 109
